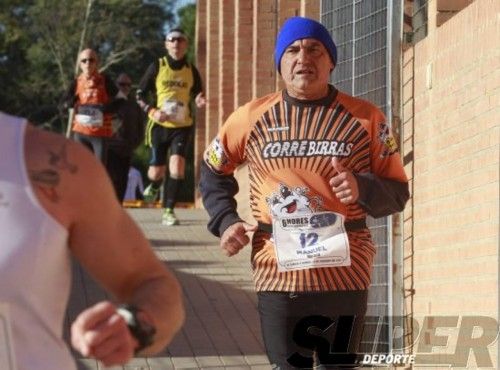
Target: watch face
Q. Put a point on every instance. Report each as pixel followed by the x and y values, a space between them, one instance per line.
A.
pixel 140 325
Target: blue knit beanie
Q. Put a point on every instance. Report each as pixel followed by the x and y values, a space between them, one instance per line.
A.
pixel 297 28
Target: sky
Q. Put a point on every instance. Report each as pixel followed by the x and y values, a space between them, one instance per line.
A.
pixel 179 4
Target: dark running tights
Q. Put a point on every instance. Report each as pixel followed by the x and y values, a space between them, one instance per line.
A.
pixel 303 330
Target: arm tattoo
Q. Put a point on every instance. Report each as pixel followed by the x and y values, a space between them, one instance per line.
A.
pixel 48 179
pixel 45 177
pixel 60 160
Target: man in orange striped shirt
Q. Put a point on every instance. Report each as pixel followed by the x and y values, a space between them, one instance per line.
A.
pixel 319 161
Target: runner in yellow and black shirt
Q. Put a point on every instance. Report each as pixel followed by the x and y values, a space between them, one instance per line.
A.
pixel 319 161
pixel 175 83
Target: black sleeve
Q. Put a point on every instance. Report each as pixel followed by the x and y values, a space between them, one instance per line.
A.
pixel 113 104
pixel 197 84
pixel 218 193
pixel 379 196
pixel 147 83
pixel 111 88
pixel 68 100
pixel 139 120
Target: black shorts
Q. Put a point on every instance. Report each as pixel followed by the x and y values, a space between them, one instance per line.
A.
pixel 302 330
pixel 164 140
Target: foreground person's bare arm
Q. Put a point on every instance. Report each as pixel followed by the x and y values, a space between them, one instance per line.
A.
pixel 74 188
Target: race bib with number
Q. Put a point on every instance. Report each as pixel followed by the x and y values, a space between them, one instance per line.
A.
pixel 175 109
pixel 7 359
pixel 90 115
pixel 311 241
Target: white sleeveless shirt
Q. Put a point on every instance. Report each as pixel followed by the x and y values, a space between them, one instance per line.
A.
pixel 35 266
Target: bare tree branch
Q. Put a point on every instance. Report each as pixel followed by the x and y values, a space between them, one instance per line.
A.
pixel 84 32
pixel 117 57
pixel 58 58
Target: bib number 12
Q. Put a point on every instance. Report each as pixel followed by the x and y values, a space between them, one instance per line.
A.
pixel 308 240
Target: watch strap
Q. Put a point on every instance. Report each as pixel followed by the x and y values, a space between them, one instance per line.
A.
pixel 141 330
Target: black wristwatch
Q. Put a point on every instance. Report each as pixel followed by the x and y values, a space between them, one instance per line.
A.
pixel 142 330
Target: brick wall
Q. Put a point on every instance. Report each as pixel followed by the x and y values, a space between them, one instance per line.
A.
pixel 226 58
pixel 243 51
pixel 212 77
pixel 451 115
pixel 200 139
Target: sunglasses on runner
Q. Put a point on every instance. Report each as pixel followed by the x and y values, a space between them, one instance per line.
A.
pixel 174 39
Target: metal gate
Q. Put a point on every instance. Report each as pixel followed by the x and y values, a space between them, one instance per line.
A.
pixel 362 31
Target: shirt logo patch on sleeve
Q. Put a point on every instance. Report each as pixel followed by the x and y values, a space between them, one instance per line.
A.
pixel 387 140
pixel 215 157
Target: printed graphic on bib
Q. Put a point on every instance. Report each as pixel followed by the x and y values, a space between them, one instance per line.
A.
pixel 175 109
pixel 7 359
pixel 90 115
pixel 304 236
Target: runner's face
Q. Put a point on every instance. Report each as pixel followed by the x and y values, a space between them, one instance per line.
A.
pixel 305 69
pixel 88 62
pixel 124 84
pixel 176 47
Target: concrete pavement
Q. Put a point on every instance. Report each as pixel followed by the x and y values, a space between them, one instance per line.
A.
pixel 222 329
